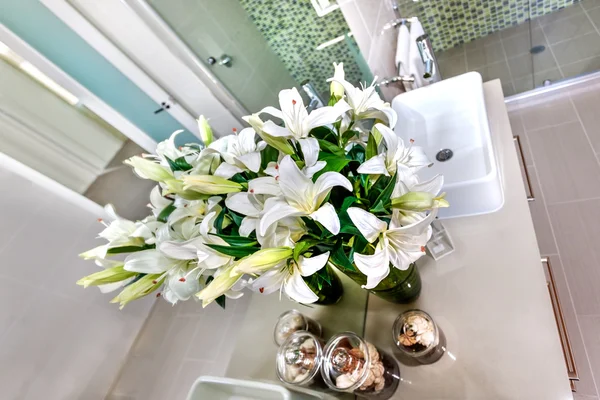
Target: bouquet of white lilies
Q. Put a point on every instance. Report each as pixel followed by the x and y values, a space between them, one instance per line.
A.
pixel 275 206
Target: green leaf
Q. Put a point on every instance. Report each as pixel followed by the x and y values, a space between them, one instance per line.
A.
pixel 238 178
pixel 334 163
pixel 346 225
pixel 340 259
pixel 237 240
pixel 331 148
pixel 129 249
pixel 269 154
pixel 221 301
pixel 219 220
pixel 236 252
pixel 179 164
pixel 384 196
pixel 379 208
pixel 371 147
pixel 349 134
pixel 302 246
pixel 356 153
pixel 237 219
pixel 164 214
pixel 323 133
pixel 348 201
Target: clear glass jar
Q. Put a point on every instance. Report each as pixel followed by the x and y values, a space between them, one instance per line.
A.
pixel 292 321
pixel 418 336
pixel 299 360
pixel 350 364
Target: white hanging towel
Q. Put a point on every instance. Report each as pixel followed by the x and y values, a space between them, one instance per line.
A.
pixel 416 63
pixel 403 50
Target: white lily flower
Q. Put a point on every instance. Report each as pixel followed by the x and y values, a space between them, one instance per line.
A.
pixel 168 149
pixel 399 246
pixel 310 149
pixel 157 201
pixel 287 277
pixel 407 182
pixel 224 283
pixel 298 122
pixel 279 143
pixel 284 233
pixel 366 103
pixel 301 197
pixel 148 169
pixel 181 286
pixel 120 231
pixel 240 152
pixel 396 153
pixel 149 261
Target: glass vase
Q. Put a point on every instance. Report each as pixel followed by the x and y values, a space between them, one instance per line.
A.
pixel 326 285
pixel 399 286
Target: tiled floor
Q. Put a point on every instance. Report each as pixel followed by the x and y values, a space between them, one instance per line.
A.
pixel 571 38
pixel 560 132
pixel 176 346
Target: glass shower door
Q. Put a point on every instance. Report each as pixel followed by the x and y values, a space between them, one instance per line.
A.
pixel 567 39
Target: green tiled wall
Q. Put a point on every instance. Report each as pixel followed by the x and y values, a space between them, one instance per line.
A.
pixel 294 30
pixel 452 22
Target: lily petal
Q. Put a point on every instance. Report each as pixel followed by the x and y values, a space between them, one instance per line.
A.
pixel 272 111
pixel 240 203
pixel 274 130
pixel 310 149
pixel 326 115
pixel 310 265
pixel 374 166
pixel 298 290
pixel 295 186
pixel 276 210
pixel 248 226
pixel 368 224
pixel 264 185
pixel 327 181
pixel 376 267
pixel 327 216
pixel 147 262
pixel 269 282
pixel 250 160
pixel 227 170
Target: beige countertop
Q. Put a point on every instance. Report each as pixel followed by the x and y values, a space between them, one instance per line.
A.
pixel 489 297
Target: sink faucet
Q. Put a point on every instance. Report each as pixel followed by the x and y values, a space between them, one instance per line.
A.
pixel 432 70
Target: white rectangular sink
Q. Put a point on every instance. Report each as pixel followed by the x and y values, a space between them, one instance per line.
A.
pixel 451 114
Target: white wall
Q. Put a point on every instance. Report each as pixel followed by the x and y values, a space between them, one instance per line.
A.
pixel 58 340
pixel 46 133
pixel 366 20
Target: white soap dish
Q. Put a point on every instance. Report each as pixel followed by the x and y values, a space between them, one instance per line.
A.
pixel 440 244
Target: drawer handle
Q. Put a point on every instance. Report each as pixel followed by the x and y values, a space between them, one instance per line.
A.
pixel 530 195
pixel 562 327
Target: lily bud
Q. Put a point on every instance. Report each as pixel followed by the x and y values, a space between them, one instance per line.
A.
pixel 419 201
pixel 109 275
pixel 210 184
pixel 219 286
pixel 147 169
pixel 264 259
pixel 96 252
pixel 206 133
pixel 335 88
pixel 278 143
pixel 140 288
